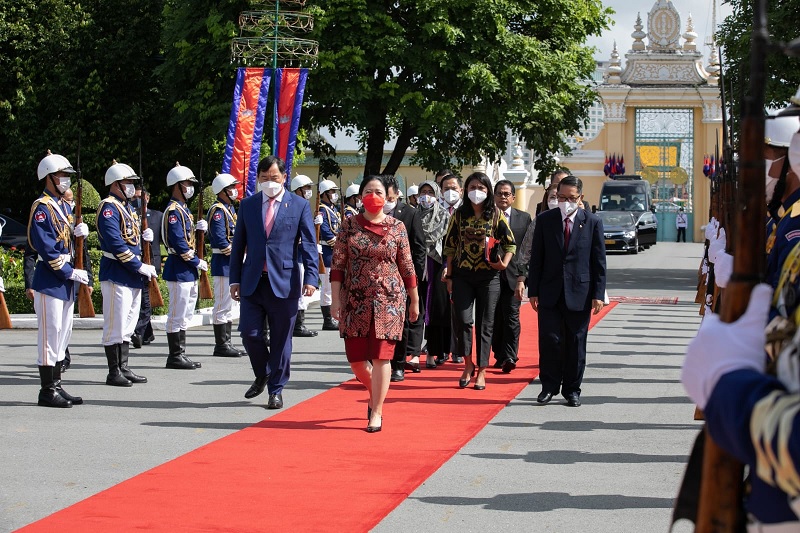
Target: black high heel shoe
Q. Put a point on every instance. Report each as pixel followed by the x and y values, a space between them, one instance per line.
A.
pixel 480 387
pixel 430 362
pixel 463 383
pixel 369 413
pixel 375 429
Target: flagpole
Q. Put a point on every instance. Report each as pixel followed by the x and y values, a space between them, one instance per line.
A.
pixel 275 82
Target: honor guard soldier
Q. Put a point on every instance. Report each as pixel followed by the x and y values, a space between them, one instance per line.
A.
pixel 783 192
pixel 122 273
pixel 352 202
pixel 182 265
pixel 301 185
pixel 50 234
pixel 331 220
pixel 411 195
pixel 221 220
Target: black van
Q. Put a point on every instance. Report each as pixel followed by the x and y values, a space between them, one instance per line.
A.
pixel 625 193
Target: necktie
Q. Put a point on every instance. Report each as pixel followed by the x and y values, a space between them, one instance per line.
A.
pixel 269 219
pixel 450 209
pixel 566 232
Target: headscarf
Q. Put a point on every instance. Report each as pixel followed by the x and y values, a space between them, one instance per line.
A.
pixel 434 223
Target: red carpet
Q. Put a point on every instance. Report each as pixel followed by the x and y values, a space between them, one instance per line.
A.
pixel 311 467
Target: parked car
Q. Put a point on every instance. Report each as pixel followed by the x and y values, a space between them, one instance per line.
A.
pixel 628 231
pixel 12 233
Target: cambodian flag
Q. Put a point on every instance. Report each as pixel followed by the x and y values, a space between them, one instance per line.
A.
pixel 290 84
pixel 246 127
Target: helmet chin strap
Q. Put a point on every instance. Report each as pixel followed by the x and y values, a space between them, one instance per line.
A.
pixel 55 186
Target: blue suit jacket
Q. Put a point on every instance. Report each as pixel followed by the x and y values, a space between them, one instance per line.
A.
pixel 291 240
pixel 578 272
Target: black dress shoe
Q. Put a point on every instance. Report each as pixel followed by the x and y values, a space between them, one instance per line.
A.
pixel 544 397
pixel 257 387
pixel 398 374
pixel 573 400
pixel 414 367
pixel 509 365
pixel 430 363
pixel 498 364
pixel 136 341
pixel 275 401
pixel 440 360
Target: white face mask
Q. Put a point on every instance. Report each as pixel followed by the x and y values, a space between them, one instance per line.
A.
pixel 233 194
pixel 71 205
pixel 307 194
pixel 552 203
pixel 334 198
pixel 567 208
pixel 128 190
pixel 477 196
pixel 388 207
pixel 770 181
pixel 426 201
pixel 271 188
pixel 188 192
pixel 794 153
pixel 63 184
pixel 451 197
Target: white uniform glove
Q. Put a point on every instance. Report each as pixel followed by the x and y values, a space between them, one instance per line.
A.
pixel 318 220
pixel 721 348
pixel 2 286
pixel 148 271
pixel 203 265
pixel 711 229
pixel 319 248
pixel 717 246
pixel 81 230
pixel 723 268
pixel 79 275
pixel 147 235
pixel 201 225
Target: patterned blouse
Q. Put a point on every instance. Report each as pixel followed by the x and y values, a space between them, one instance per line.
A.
pixel 373 263
pixel 465 241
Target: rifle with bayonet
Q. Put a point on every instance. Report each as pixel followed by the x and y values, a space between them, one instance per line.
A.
pixel 721 489
pixel 85 305
pixel 205 291
pixel 156 298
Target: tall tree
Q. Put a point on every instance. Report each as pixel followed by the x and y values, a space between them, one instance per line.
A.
pixel 783 72
pixel 446 78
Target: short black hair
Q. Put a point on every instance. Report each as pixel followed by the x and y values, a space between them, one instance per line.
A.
pixel 450 177
pixel 266 163
pixel 390 182
pixel 571 181
pixel 504 182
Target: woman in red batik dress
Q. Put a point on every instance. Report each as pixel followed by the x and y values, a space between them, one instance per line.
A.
pixel 371 273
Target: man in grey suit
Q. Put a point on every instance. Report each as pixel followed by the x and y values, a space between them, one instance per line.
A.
pixel 566 282
pixel 505 338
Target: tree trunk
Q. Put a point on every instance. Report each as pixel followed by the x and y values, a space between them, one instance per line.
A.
pixel 400 148
pixel 375 140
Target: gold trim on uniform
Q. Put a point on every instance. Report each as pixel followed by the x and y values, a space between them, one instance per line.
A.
pixel 229 217
pixel 773 421
pixel 127 218
pixel 60 222
pixel 184 213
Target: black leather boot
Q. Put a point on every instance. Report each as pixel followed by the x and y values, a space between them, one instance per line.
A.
pixel 176 359
pixel 48 395
pixel 183 349
pixel 300 330
pixel 123 366
pixel 228 331
pixel 76 400
pixel 329 323
pixel 222 342
pixel 115 377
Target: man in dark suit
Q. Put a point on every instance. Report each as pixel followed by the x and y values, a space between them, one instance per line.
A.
pixel 505 337
pixel 566 282
pixel 411 343
pixel 143 333
pixel 276 231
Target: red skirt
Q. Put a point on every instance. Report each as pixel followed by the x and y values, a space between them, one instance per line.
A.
pixel 367 348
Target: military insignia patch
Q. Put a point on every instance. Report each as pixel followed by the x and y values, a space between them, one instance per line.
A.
pixel 173 219
pixel 218 216
pixel 40 216
pixel 108 213
pixel 790 236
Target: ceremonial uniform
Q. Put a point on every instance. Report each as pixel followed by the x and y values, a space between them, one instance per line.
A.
pixel 786 236
pixel 331 221
pixel 221 220
pixel 121 276
pixel 349 211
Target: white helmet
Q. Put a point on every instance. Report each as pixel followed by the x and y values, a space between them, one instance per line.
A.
pixel 120 171
pixel 222 182
pixel 300 180
pixel 179 174
pixel 412 191
pixel 53 163
pixel 778 130
pixel 326 185
pixel 351 191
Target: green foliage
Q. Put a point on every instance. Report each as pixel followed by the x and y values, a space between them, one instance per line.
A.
pixel 734 37
pixel 11 265
pixel 16 301
pixel 447 77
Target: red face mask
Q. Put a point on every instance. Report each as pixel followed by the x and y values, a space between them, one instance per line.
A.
pixel 373 203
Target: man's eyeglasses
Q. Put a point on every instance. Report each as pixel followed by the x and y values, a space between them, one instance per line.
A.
pixel 505 194
pixel 575 199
